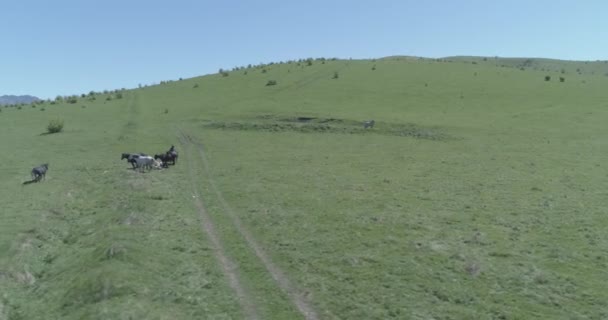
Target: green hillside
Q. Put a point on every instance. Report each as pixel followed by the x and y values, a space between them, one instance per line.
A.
pixel 477 195
pixel 539 64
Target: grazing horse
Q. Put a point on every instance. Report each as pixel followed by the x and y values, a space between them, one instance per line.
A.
pixel 40 172
pixel 369 124
pixel 144 162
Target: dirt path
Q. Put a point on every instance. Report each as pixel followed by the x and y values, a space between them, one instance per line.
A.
pixel 297 297
pixel 227 266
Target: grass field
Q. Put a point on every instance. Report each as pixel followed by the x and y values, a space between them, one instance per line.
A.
pixel 477 195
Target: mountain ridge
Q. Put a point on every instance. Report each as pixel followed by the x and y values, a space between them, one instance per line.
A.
pixel 14 99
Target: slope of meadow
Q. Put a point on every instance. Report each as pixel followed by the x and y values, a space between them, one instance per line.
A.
pixel 476 195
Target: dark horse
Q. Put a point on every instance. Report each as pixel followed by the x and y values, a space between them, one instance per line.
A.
pixel 163 157
pixel 172 155
pixel 166 158
pixel 40 172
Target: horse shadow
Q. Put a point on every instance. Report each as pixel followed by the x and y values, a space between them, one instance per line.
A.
pixel 30 181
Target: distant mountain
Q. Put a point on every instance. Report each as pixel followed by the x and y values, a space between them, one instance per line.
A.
pixel 6 99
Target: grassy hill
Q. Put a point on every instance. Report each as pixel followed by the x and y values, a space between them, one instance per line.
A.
pixel 549 66
pixel 478 194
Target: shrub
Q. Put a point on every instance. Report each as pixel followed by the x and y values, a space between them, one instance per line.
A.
pixel 42 109
pixel 271 83
pixel 166 111
pixel 72 99
pixel 19 108
pixel 547 78
pixel 336 75
pixel 562 79
pixel 374 68
pixel 55 126
pixel 195 85
pixel 119 95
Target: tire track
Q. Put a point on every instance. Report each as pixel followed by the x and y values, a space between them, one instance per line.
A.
pixel 297 297
pixel 227 266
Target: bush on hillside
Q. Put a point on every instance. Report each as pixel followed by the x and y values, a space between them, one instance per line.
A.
pixel 562 79
pixel 119 95
pixel 547 78
pixel 336 75
pixel 55 126
pixel 271 83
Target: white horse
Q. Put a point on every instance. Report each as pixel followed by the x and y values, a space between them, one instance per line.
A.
pixel 144 162
pixel 158 165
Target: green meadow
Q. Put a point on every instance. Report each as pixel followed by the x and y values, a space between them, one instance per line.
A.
pixel 479 194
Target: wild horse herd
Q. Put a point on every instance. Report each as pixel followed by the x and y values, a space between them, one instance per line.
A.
pixel 140 161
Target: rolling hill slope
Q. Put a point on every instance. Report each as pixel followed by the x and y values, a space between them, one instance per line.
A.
pixel 599 68
pixel 477 194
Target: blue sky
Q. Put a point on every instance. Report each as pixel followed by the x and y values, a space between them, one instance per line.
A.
pixel 62 47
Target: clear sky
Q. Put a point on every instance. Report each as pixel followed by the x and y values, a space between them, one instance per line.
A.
pixel 64 47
